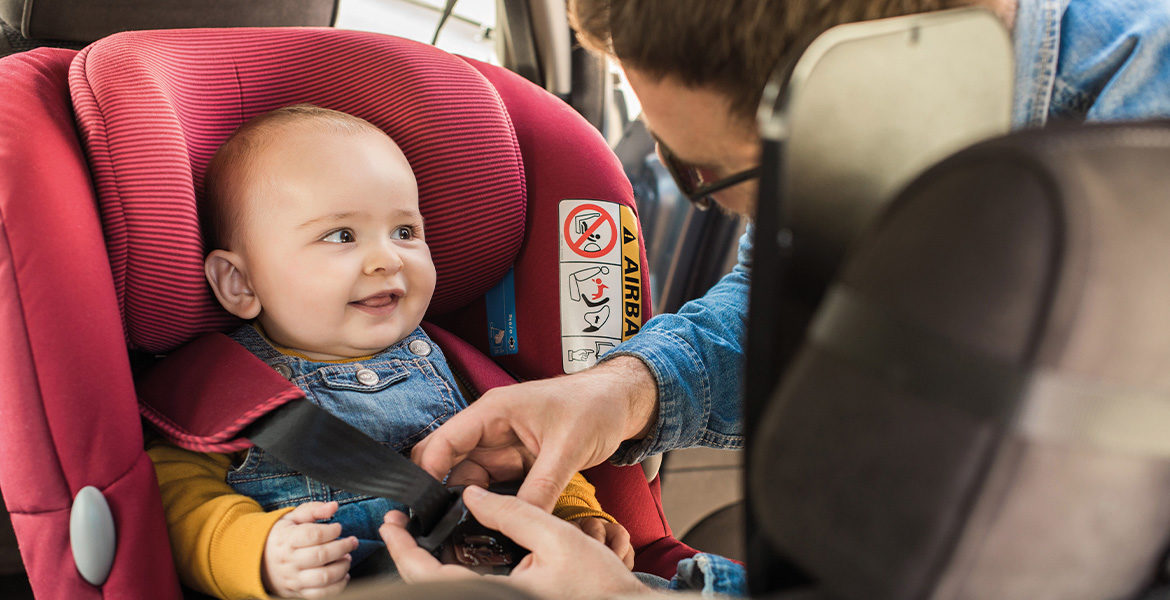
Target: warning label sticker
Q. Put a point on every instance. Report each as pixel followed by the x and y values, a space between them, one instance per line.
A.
pixel 600 280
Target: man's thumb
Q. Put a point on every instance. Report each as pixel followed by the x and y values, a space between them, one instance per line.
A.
pixel 545 481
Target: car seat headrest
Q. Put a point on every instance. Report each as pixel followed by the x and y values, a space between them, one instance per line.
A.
pixel 153 107
pixel 90 20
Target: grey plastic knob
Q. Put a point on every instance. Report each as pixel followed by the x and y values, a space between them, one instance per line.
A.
pixel 91 535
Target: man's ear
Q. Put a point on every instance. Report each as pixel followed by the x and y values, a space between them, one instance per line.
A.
pixel 226 273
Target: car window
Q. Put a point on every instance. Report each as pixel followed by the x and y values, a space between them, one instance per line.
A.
pixel 469 30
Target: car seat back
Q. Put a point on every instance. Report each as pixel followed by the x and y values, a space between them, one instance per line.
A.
pixel 980 405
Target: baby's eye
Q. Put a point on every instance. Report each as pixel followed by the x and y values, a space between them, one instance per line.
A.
pixel 341 236
pixel 405 232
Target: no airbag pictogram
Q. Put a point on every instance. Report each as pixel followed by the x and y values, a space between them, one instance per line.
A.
pixel 590 231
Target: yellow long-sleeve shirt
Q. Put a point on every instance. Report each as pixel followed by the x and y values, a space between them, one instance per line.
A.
pixel 218 536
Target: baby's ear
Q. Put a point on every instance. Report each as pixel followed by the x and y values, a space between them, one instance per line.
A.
pixel 228 277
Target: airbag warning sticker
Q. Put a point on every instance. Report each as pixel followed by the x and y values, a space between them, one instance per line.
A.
pixel 600 280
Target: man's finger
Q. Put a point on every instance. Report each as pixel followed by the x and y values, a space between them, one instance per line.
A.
pixel 524 523
pixel 449 444
pixel 548 477
pixel 414 564
pixel 469 473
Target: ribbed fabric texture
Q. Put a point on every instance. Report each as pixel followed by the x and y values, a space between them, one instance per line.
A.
pixel 153 106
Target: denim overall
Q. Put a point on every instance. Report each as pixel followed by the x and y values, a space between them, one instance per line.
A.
pixel 396 397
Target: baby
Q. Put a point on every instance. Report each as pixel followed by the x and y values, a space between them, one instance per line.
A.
pixel 317 240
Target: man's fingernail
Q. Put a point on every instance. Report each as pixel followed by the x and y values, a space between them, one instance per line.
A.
pixel 475 491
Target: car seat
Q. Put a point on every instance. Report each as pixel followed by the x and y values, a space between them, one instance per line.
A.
pixel 100 249
pixel 979 408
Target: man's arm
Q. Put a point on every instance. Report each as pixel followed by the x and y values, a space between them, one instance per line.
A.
pixel 667 391
pixel 695 357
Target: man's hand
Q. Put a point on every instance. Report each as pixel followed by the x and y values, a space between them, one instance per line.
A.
pixel 550 429
pixel 303 558
pixel 612 535
pixel 564 563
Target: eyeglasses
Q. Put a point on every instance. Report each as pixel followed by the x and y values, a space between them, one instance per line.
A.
pixel 691 184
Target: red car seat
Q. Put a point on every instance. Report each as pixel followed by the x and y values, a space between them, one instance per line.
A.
pixel 100 250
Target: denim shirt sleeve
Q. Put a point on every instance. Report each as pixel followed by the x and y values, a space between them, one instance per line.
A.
pixel 696 358
pixel 1079 60
pixel 712 575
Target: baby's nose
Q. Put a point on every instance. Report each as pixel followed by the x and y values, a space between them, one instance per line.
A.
pixel 384 258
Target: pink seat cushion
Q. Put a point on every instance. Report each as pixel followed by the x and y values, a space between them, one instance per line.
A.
pixel 153 106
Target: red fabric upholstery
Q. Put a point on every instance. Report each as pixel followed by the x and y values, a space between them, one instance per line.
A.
pixel 68 413
pixel 564 158
pixel 153 106
pixel 174 394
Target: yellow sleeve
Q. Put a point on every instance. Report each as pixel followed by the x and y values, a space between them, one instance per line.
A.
pixel 579 500
pixel 217 535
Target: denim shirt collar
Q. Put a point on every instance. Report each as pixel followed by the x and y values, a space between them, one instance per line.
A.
pixel 1037 52
pixel 257 344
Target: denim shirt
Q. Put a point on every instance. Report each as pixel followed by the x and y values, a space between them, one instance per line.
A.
pixel 1075 60
pixel 1094 60
pixel 396 397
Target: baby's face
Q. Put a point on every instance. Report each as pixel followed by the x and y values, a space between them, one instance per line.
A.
pixel 332 240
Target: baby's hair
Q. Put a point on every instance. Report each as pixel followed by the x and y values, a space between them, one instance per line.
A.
pixel 220 210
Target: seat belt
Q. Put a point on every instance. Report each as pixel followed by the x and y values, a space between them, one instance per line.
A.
pixel 309 439
pixel 344 457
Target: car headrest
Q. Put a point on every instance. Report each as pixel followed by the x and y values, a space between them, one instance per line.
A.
pixel 89 20
pixel 153 106
pixel 980 406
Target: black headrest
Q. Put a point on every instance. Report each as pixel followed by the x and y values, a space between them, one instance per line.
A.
pixel 981 405
pixel 89 20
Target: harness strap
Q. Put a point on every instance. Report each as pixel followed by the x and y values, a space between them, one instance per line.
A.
pixel 344 457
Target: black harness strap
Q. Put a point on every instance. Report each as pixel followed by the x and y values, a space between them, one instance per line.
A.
pixel 344 457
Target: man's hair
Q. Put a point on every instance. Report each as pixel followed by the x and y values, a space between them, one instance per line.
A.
pixel 221 209
pixel 731 46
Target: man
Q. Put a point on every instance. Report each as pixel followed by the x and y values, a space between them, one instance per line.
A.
pixel 699 68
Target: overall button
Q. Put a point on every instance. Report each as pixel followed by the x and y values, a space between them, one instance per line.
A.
pixel 284 370
pixel 367 377
pixel 420 348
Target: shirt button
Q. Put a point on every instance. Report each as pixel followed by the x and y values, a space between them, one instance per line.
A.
pixel 284 370
pixel 420 348
pixel 367 377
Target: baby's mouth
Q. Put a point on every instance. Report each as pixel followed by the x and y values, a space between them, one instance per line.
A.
pixel 379 301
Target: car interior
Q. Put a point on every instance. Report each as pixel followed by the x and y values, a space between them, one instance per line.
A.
pixel 954 368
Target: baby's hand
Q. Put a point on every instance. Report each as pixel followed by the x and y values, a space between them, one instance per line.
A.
pixel 303 558
pixel 611 534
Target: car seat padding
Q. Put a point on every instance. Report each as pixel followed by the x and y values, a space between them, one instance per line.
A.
pixel 153 106
pixel 68 413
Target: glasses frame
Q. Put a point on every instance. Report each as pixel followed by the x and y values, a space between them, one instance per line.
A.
pixel 690 183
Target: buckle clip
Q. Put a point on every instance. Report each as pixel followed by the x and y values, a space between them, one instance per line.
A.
pixel 459 539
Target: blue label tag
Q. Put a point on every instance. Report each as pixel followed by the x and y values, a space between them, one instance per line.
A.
pixel 501 317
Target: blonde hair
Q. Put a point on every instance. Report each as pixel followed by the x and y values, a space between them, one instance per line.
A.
pixel 220 209
pixel 732 46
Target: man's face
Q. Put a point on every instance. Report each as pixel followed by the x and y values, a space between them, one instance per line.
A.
pixel 332 241
pixel 697 125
